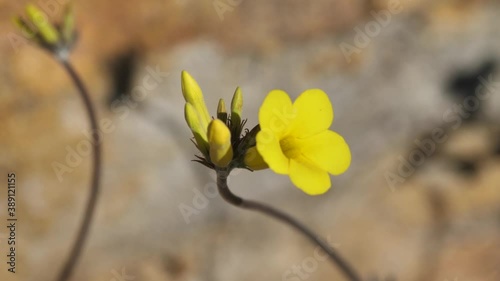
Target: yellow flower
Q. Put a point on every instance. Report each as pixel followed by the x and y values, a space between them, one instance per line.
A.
pixel 295 139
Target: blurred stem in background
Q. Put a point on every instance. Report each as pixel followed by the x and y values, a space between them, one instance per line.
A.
pixel 81 238
pixel 233 199
pixel 58 41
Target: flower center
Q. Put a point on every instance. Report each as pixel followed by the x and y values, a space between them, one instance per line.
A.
pixel 290 147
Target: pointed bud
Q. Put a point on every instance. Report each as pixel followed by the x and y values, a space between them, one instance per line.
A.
pixel 68 27
pixel 26 30
pixel 219 140
pixel 47 31
pixel 193 122
pixel 193 95
pixel 253 159
pixel 236 107
pixel 221 111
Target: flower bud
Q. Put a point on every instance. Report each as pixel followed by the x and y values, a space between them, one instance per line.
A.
pixel 193 122
pixel 219 140
pixel 193 95
pixel 236 107
pixel 26 30
pixel 48 32
pixel 221 111
pixel 253 159
pixel 68 27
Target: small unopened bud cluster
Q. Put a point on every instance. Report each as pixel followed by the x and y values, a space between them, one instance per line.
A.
pixel 56 38
pixel 220 140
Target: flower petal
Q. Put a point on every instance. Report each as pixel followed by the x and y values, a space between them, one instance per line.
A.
pixel 308 178
pixel 314 113
pixel 268 146
pixel 328 151
pixel 276 113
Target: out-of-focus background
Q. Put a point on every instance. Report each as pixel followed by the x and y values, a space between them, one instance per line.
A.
pixel 414 88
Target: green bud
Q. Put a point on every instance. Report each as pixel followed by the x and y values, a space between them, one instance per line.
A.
pixel 26 30
pixel 221 111
pixel 253 159
pixel 68 27
pixel 236 107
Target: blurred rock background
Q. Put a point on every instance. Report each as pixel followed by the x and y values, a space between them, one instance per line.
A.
pixel 439 221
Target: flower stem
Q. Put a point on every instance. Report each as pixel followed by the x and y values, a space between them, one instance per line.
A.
pixel 235 200
pixel 81 238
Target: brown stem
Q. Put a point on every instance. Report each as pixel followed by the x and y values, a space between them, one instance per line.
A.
pixel 82 235
pixel 233 199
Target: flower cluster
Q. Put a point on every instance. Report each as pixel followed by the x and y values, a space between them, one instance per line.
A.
pixel 220 139
pixel 291 139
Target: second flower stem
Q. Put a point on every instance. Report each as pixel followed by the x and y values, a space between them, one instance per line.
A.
pixel 81 238
pixel 235 200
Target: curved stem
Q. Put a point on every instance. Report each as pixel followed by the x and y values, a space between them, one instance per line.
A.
pixel 75 253
pixel 233 199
